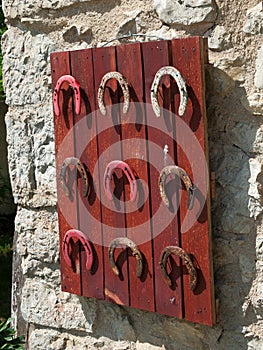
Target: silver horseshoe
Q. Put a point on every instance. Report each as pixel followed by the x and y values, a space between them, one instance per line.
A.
pixel 169 70
pixel 125 89
pixel 174 169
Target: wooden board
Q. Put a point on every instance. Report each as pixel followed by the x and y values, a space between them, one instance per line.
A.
pixel 67 206
pixel 112 211
pixel 133 129
pixel 147 144
pixel 189 57
pixel 160 134
pixel 86 149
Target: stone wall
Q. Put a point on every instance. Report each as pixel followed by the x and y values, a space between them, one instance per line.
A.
pixel 55 320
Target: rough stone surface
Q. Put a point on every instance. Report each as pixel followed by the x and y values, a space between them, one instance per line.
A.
pixel 219 38
pixel 186 12
pixel 254 22
pixel 234 99
pixel 259 69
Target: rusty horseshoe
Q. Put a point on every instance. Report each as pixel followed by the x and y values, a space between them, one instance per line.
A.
pixel 84 241
pixel 127 171
pixel 172 71
pixel 125 89
pixel 62 176
pixel 76 87
pixel 174 169
pixel 135 252
pixel 188 263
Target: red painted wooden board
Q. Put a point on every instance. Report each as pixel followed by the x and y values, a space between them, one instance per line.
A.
pixel 160 137
pixel 86 150
pixel 189 57
pixel 147 144
pixel 134 152
pixel 112 211
pixel 67 206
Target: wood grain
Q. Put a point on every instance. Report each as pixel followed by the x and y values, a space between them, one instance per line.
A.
pixel 67 206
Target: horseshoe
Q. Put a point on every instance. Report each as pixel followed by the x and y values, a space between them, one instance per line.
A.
pixel 174 169
pixel 135 252
pixel 127 171
pixel 172 71
pixel 76 162
pixel 83 239
pixel 125 89
pixel 76 87
pixel 188 263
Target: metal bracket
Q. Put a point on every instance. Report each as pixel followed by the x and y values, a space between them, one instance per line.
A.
pixel 169 70
pixel 188 263
pixel 135 252
pixel 76 87
pixel 62 176
pixel 83 239
pixel 127 171
pixel 174 169
pixel 125 89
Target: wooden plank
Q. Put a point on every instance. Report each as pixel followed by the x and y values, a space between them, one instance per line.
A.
pixel 135 154
pixel 195 224
pixel 67 209
pixel 113 211
pixel 160 138
pixel 85 134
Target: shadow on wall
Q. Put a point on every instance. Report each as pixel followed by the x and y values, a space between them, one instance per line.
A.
pixel 232 144
pixel 7 206
pixel 232 134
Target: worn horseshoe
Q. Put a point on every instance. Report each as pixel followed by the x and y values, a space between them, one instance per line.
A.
pixel 76 87
pixel 83 239
pixel 169 70
pixel 135 252
pixel 174 169
pixel 125 89
pixel 127 171
pixel 188 263
pixel 62 176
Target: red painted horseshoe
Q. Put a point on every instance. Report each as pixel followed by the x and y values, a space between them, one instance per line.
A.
pixel 76 87
pixel 127 171
pixel 83 239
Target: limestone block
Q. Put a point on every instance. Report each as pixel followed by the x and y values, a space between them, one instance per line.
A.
pixel 253 103
pixel 77 33
pixel 259 69
pixel 130 24
pixel 255 187
pixel 186 12
pixel 244 135
pixel 247 267
pixel 256 343
pixel 232 64
pixel 25 67
pixel 18 8
pixel 31 155
pixel 38 242
pixel 254 22
pixel 165 32
pixel 218 39
pixel 224 253
pixel 232 172
pixel 50 339
pixel 218 82
pixel 43 305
